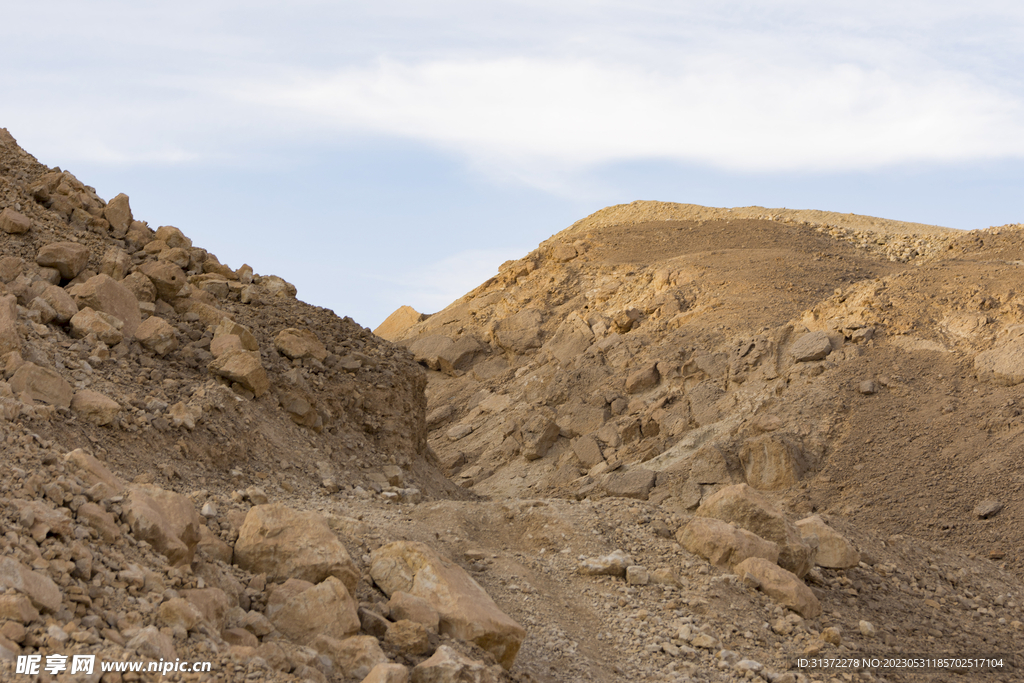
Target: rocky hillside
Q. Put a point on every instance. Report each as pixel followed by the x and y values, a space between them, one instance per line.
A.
pixel 659 448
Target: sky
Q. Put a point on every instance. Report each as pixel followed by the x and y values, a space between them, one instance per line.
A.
pixel 391 153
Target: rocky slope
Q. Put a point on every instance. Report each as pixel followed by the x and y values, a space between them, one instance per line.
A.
pixel 200 467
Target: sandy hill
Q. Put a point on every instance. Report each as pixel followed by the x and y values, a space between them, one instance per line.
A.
pixel 672 444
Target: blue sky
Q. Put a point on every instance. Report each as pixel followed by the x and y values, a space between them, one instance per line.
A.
pixel 398 153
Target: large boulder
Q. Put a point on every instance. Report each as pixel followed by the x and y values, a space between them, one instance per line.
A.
pixel 157 335
pixel 118 213
pixel 447 665
pixel 773 461
pixel 439 352
pixel 296 343
pixel 466 611
pixel 39 588
pixel 810 347
pixel 61 303
pixel 780 585
pixel 327 609
pixel 14 223
pixel 747 508
pixel 286 543
pixel 243 367
pixel 103 326
pixel 167 278
pixel 93 473
pixel 834 550
pixel 166 520
pixel 69 258
pixel 103 293
pixel 42 384
pixel 722 544
pixel 356 655
pixel 92 406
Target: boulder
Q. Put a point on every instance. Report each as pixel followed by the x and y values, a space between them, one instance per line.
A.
pixel 295 343
pixel 466 611
pixel 179 612
pixel 447 665
pixel 243 367
pixel 174 238
pixel 635 482
pixel 97 517
pixel 118 213
pixel 587 451
pixel 212 603
pixel 167 278
pixel 773 461
pixel 230 335
pixel 285 543
pixel 38 588
pixel 723 544
pixel 164 519
pixel 612 564
pixel 69 258
pixel 151 643
pixel 1002 365
pixel 10 337
pixel 572 338
pixel 834 550
pixel 539 432
pixel 409 638
pixel 61 302
pixel 520 332
pixel 14 223
pixel 17 608
pixel 710 465
pixel 278 287
pixel 747 508
pixel 94 407
pixel 140 286
pixel 103 326
pixel 115 263
pixel 395 325
pixel 93 473
pixel 643 379
pixel 810 347
pixel 327 609
pixel 780 585
pixel 157 335
pixel 179 257
pixel 413 608
pixel 42 384
pixel 212 545
pixel 441 353
pixel 387 673
pixel 103 293
pixel 356 656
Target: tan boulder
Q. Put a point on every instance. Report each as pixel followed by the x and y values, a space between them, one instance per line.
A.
pixel 643 379
pixel 151 643
pixel 278 287
pixel 212 545
pixel 632 482
pixel 395 325
pixel 285 543
pixel 140 286
pixel 167 278
pixel 409 638
pixel 38 588
pixel 387 673
pixel 69 258
pixel 301 410
pixel 14 223
pixel 327 609
pixel 115 263
pixel 99 519
pixel 447 665
pixel 10 337
pixel 177 256
pixel 17 608
pixel 164 519
pixel 42 384
pixel 588 451
pixel 104 326
pixel 103 293
pixel 243 367
pixel 231 336
pixel 92 406
pixel 356 655
pixel 520 332
pixel 118 213
pixel 539 433
pixel 834 550
pixel 212 603
pixel 283 594
pixel 157 335
pixel 810 347
pixel 723 544
pixel 749 509
pixel 413 608
pixel 773 461
pixel 296 343
pixel 780 585
pixel 438 352
pixel 93 473
pixel 179 612
pixel 466 611
pixel 174 238
pixel 61 302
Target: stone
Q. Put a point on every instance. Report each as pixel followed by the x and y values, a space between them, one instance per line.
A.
pixel 644 379
pixel 236 336
pixel 94 407
pixel 587 450
pixel 177 256
pixel 243 367
pixel 867 629
pixel 637 575
pixel 69 258
pixel 373 623
pixel 780 585
pixel 466 611
pixel 441 353
pixel 285 543
pixel 278 287
pixel 396 324
pixel 612 564
pixel 213 547
pixel 867 387
pixel 18 608
pixel 634 482
pixel 104 294
pixel 356 656
pixel 10 337
pixel 103 326
pixel 116 263
pixel 408 637
pixel 750 510
pixel 295 343
pixel 519 333
pixel 723 544
pixel 832 635
pixel 447 665
pixel 151 643
pixel 95 476
pixel 43 593
pixel 212 603
pixel 97 517
pixel 326 609
pixel 164 519
pixel 157 335
pixel 167 278
pixel 118 213
pixel 42 384
pixel 240 637
pixel 281 595
pixel 710 465
pixel 64 307
pixel 539 432
pixel 1003 365
pixel 174 238
pixel 834 550
pixel 413 608
pixel 988 508
pixel 811 347
pixel 141 287
pixel 184 415
pixel 179 612
pixel 14 223
pixel 773 461
pixel 387 673
pixel 10 268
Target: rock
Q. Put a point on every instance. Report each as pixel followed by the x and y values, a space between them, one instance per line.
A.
pixel 42 384
pixel 988 508
pixel 1002 365
pixel 438 352
pixel 395 325
pixel 773 461
pixel 723 544
pixel 413 608
pixel 243 367
pixel 94 474
pixel 103 326
pixel 231 335
pixel 373 623
pixel 749 509
pixel 213 546
pixel 10 337
pixel 710 465
pixel 286 543
pixel 867 387
pixel 179 612
pixel 326 609
pixel 466 611
pixel 17 608
pixel 519 333
pixel 637 575
pixel 643 379
pixel 99 519
pixel 152 644
pixel 277 287
pixel 177 256
pixel 780 585
pixel 635 482
pixel 387 673
pixel 587 450
pixel 69 258
pixel 157 335
pixel 867 629
pixel 810 347
pixel 295 343
pixel 448 666
pixel 834 550
pixel 61 302
pixel 167 278
pixel 408 637
pixel 184 415
pixel 102 293
pixel 94 407
pixel 832 635
pixel 14 223
pixel 212 603
pixel 164 519
pixel 43 593
pixel 538 434
pixel 140 286
pixel 174 238
pixel 356 656
pixel 613 564
pixel 118 213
